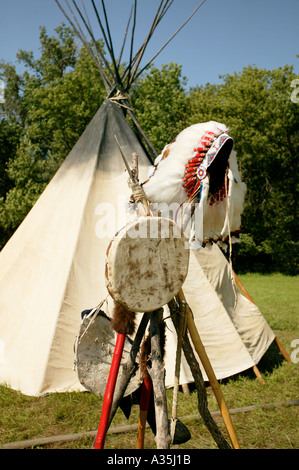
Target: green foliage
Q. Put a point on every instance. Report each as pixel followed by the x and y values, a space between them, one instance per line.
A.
pixel 264 123
pixel 57 55
pixel 9 138
pixel 47 108
pixel 12 108
pixel 277 296
pixel 10 133
pixel 159 100
pixel 24 417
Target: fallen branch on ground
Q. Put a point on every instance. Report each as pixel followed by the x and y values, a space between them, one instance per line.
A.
pixel 127 428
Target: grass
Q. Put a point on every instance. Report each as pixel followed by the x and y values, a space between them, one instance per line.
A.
pixel 23 417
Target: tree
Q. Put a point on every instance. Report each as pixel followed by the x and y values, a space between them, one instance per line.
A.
pixel 47 108
pixel 263 120
pixel 52 102
pixel 159 101
pixel 55 99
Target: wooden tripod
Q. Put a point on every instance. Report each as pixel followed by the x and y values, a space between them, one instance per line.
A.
pixel 157 370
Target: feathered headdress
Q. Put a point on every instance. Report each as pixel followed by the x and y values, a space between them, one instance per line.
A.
pixel 195 180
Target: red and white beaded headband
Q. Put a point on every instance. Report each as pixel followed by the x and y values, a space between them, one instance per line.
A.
pixel 213 146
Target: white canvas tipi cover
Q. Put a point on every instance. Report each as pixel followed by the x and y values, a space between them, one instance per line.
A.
pixel 233 330
pixel 53 268
pixel 54 265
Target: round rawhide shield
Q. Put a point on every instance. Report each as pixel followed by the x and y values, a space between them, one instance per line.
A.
pixel 94 352
pixel 147 263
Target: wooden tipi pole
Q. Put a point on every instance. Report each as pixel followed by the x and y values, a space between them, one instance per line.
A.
pixel 146 390
pixel 199 347
pixel 189 353
pixel 157 373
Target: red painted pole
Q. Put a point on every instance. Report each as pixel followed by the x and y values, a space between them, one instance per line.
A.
pixel 109 392
pixel 143 406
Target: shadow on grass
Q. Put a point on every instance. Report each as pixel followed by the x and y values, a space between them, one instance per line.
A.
pixel 271 360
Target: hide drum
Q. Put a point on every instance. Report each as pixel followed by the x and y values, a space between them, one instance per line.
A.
pixel 94 352
pixel 147 263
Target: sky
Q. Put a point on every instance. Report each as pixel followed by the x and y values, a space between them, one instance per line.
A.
pixel 221 38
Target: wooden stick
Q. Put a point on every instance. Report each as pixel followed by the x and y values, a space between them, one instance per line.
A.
pixel 259 375
pixel 135 167
pixel 180 335
pixel 143 408
pixel 108 397
pixel 245 293
pixel 157 374
pixel 186 391
pixel 199 347
pixel 282 350
pixel 129 367
pixel 198 381
pixel 142 202
pixel 242 288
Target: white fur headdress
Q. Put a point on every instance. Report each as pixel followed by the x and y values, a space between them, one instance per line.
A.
pixel 196 181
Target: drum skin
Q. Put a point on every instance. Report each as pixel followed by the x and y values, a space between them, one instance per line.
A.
pixel 146 263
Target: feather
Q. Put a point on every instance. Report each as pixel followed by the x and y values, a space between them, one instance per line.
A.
pixel 176 180
pixel 145 351
pixel 165 182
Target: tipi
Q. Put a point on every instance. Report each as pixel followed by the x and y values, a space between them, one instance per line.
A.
pixel 53 266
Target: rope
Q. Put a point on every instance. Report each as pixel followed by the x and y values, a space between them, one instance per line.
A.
pixel 91 316
pixel 120 97
pixel 138 191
